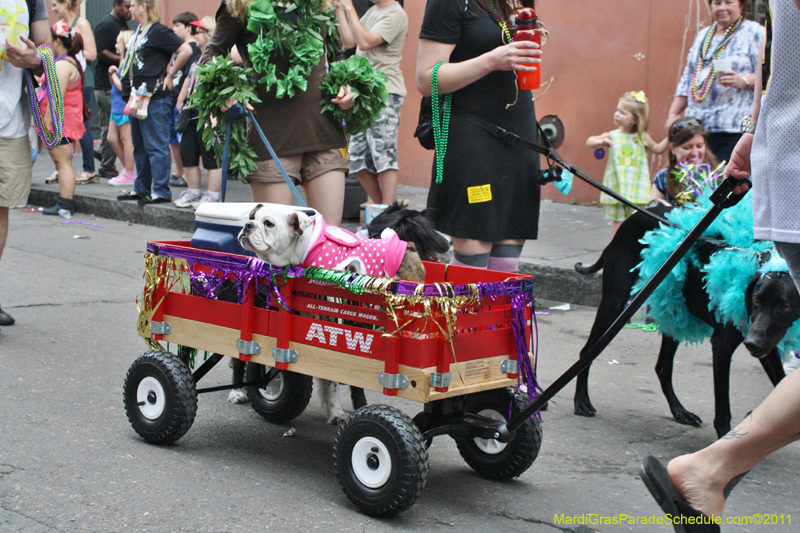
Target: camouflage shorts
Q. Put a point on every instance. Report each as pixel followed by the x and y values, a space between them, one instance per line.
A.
pixel 376 149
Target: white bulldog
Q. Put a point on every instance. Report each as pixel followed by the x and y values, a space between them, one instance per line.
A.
pixel 276 236
pixel 284 237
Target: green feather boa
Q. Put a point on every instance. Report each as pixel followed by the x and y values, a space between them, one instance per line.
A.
pixel 727 272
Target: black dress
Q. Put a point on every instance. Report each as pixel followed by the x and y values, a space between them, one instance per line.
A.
pixel 489 190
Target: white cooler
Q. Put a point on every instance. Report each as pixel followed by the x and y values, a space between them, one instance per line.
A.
pixel 217 225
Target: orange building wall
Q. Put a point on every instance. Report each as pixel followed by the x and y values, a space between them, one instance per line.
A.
pixel 597 51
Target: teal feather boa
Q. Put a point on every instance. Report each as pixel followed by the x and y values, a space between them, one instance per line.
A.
pixel 727 272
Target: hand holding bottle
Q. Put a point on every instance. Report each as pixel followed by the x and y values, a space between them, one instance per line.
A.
pixel 527 31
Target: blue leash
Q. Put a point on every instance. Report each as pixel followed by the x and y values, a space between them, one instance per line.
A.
pixel 233 114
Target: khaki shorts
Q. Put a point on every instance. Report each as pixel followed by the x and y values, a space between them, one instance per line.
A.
pixel 15 171
pixel 300 168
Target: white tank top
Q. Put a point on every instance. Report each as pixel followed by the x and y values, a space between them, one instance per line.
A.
pixel 775 156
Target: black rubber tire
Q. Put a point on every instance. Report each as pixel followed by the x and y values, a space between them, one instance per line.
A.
pixel 170 397
pixel 518 454
pixel 285 404
pixel 404 452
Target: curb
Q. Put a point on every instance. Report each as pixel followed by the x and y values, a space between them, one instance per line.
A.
pixel 552 283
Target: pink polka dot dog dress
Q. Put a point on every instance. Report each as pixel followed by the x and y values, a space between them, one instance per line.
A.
pixel 336 248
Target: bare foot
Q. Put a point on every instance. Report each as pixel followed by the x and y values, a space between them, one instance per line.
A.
pixel 693 479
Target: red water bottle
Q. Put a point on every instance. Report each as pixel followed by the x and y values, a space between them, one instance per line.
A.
pixel 527 31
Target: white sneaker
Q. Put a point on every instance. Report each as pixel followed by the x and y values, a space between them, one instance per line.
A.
pixel 203 199
pixel 791 361
pixel 187 199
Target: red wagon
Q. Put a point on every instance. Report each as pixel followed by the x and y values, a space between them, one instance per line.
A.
pixel 459 344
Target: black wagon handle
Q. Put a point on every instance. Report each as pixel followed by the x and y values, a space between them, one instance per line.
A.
pixel 721 199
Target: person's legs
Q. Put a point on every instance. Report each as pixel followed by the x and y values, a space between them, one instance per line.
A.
pixel 144 179
pixel 268 186
pixel 215 180
pixel 105 151
pixel 62 157
pixel 15 185
pixel 323 175
pixel 192 177
pixel 127 146
pixel 388 185
pixel 175 154
pixel 3 228
pixel 87 143
pixel 15 179
pixel 155 134
pixel 119 137
pixel 382 141
pixel 271 193
pixel 5 318
pixel 370 183
pixel 174 143
pixel 64 206
pixel 505 256
pixel 212 169
pixel 373 154
pixel 114 140
pixel 192 193
pixel 701 477
pixel 325 193
pixel 471 253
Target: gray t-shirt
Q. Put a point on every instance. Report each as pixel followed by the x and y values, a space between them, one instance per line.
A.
pixel 391 23
pixel 15 115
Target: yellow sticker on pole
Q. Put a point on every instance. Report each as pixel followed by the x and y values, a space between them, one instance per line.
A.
pixel 479 193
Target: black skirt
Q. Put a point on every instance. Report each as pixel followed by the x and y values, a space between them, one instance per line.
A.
pixel 489 190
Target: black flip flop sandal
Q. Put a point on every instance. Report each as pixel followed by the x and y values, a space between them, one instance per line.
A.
pixel 131 196
pixel 682 515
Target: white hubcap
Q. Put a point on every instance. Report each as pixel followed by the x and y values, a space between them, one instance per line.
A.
pixel 151 398
pixel 274 388
pixel 371 462
pixel 491 446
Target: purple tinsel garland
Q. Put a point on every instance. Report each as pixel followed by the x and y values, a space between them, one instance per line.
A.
pixel 246 269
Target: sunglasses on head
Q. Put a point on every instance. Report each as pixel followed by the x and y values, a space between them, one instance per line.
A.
pixel 685 123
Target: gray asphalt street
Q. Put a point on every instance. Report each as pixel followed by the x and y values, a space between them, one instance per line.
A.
pixel 70 461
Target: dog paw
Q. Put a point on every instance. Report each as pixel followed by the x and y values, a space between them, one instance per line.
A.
pixel 584 408
pixel 337 418
pixel 683 416
pixel 722 427
pixel 237 396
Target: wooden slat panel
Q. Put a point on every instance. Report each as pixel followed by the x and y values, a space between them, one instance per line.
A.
pixel 466 377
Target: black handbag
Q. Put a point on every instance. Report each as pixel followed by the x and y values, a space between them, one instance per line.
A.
pixel 424 131
pixel 182 121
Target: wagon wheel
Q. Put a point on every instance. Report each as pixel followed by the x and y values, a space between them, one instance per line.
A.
pixel 500 460
pixel 380 460
pixel 284 398
pixel 160 397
